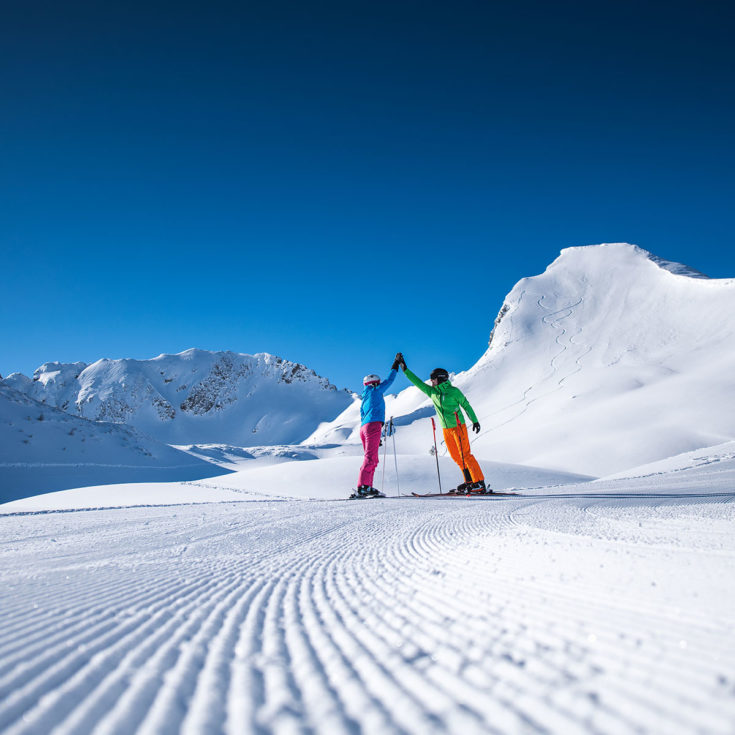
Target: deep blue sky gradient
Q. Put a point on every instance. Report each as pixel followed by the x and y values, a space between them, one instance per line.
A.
pixel 333 181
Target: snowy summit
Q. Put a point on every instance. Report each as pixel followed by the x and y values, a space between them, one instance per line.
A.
pixel 193 397
pixel 609 359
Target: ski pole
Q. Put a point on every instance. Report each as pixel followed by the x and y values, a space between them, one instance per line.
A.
pixel 461 447
pixel 385 454
pixel 436 454
pixel 395 457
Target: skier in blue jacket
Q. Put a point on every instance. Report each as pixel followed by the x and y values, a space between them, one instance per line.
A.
pixel 372 418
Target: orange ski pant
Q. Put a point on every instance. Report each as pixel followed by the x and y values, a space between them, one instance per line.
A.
pixel 459 449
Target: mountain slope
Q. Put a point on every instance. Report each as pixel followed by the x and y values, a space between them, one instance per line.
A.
pixel 193 397
pixel 44 449
pixel 610 359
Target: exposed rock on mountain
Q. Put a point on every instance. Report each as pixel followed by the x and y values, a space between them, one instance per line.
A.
pixel 193 397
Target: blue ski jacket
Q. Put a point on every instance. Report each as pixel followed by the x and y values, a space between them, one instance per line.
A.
pixel 373 403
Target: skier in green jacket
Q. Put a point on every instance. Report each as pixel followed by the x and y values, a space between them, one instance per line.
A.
pixel 449 402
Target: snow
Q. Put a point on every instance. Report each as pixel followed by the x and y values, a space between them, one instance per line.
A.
pixel 594 607
pixel 316 474
pixel 610 359
pixel 44 449
pixel 255 598
pixel 196 396
pixel 719 455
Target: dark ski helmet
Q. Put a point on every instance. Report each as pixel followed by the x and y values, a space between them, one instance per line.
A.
pixel 440 375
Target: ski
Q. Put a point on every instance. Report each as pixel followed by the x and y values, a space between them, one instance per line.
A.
pixel 355 496
pixel 462 495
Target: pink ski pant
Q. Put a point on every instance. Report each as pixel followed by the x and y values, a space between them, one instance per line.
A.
pixel 370 435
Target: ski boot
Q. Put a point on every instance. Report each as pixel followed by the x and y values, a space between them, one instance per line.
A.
pixel 479 488
pixel 365 491
pixel 461 489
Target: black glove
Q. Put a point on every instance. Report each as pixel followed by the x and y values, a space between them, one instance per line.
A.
pixel 396 364
pixel 400 361
pixel 476 427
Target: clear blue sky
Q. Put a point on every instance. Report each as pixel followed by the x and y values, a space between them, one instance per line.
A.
pixel 333 181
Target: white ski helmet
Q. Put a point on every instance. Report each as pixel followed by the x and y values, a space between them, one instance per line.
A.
pixel 370 379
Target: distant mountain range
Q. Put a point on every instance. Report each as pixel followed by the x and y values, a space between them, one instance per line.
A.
pixel 193 397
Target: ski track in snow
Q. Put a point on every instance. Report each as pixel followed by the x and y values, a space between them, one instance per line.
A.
pixel 520 615
pixel 552 320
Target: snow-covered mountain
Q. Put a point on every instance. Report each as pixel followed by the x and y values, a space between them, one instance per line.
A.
pixel 193 397
pixel 44 449
pixel 610 359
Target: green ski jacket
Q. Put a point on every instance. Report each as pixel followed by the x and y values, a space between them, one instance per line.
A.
pixel 446 399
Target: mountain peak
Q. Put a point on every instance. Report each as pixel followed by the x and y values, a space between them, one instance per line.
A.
pixel 612 355
pixel 619 254
pixel 196 396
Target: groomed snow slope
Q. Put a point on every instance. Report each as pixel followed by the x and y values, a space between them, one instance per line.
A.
pixel 329 477
pixel 610 359
pixel 43 449
pixel 605 607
